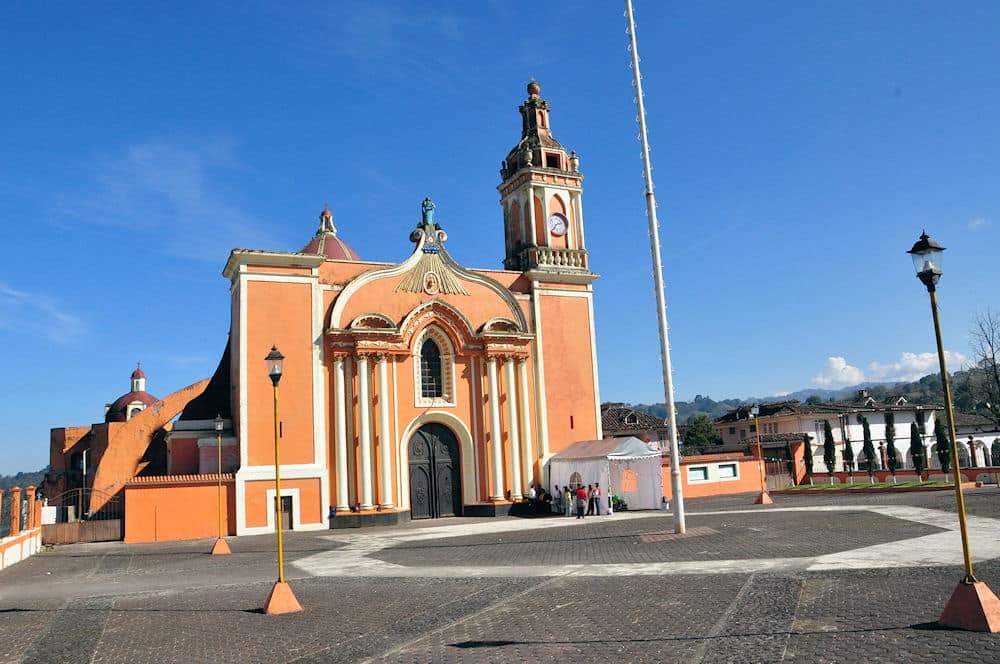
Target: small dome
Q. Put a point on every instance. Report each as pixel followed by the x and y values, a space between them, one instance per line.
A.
pixel 326 243
pixel 137 374
pixel 534 89
pixel 118 412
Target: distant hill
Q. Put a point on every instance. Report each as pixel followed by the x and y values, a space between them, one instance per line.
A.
pixel 23 479
pixel 926 390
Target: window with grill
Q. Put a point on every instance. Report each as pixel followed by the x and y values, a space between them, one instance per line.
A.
pixel 431 380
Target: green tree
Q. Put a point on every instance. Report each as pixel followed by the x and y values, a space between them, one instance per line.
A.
pixel 917 450
pixel 814 400
pixel 848 454
pixel 869 447
pixel 807 455
pixel 701 434
pixel 943 444
pixel 890 443
pixel 829 449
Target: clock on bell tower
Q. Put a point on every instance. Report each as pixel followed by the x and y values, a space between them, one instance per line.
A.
pixel 541 196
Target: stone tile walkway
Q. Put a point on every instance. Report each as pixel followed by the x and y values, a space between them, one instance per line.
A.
pixel 174 603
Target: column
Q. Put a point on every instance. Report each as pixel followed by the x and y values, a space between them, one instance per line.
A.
pixel 29 496
pixel 15 510
pixel 364 432
pixel 515 439
pixel 528 457
pixel 384 437
pixel 340 433
pixel 491 372
pixel 531 217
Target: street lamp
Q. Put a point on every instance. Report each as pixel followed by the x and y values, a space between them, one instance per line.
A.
pixel 764 498
pixel 972 606
pixel 221 547
pixel 281 599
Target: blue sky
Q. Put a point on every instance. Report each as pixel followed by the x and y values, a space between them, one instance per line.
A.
pixel 799 149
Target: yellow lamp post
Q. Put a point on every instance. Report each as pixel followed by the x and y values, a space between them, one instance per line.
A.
pixel 281 599
pixel 764 498
pixel 221 547
pixel 972 606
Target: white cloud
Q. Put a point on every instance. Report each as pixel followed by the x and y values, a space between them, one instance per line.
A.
pixel 172 194
pixel 908 368
pixel 979 224
pixel 914 366
pixel 37 314
pixel 838 373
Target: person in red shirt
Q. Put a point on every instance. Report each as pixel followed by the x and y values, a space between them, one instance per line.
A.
pixel 581 501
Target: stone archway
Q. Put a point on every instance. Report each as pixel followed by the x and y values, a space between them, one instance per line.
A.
pixel 434 472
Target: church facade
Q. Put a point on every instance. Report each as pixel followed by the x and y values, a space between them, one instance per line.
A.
pixel 421 387
pixel 410 390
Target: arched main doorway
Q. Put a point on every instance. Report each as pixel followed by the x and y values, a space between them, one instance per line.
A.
pixel 435 482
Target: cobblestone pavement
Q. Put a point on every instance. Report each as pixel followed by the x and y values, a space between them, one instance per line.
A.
pixel 174 603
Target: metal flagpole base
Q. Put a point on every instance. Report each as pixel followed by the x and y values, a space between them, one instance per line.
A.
pixel 764 499
pixel 221 548
pixel 281 600
pixel 973 607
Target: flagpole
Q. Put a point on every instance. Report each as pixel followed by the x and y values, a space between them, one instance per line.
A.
pixel 661 303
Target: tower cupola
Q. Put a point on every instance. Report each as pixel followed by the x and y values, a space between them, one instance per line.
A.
pixel 541 195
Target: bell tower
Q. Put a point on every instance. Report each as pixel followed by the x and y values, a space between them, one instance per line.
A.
pixel 541 196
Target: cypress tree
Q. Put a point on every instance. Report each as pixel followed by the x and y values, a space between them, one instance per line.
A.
pixel 848 456
pixel 917 450
pixel 943 445
pixel 829 450
pixel 890 443
pixel 868 449
pixel 807 455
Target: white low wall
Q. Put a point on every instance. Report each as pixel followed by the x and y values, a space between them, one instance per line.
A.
pixel 16 548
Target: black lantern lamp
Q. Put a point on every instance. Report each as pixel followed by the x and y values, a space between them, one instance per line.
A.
pixel 927 256
pixel 275 361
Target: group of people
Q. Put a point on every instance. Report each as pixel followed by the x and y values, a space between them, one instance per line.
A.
pixel 588 500
pixel 582 500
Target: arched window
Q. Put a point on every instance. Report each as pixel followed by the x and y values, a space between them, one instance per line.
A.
pixel 431 380
pixel 433 369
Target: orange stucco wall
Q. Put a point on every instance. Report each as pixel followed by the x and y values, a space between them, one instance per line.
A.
pixel 309 500
pixel 749 476
pixel 177 510
pixel 569 370
pixel 279 313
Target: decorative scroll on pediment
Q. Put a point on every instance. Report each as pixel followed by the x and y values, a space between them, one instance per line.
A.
pixel 431 274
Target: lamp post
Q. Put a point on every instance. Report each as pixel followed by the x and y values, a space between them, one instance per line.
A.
pixel 281 599
pixel 221 547
pixel 972 606
pixel 764 498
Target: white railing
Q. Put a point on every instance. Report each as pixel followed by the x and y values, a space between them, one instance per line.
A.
pixel 572 259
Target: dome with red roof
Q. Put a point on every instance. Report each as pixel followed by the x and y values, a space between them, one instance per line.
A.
pixel 134 401
pixel 326 243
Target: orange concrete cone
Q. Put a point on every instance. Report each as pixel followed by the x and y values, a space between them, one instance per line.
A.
pixel 973 607
pixel 281 600
pixel 764 499
pixel 221 548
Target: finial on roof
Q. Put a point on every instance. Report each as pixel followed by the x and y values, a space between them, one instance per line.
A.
pixel 534 89
pixel 326 222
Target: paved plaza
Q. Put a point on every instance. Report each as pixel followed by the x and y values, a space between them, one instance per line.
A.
pixel 810 579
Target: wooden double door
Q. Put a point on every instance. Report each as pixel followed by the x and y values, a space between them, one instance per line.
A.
pixel 435 482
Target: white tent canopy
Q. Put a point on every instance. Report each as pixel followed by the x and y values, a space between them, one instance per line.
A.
pixel 625 467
